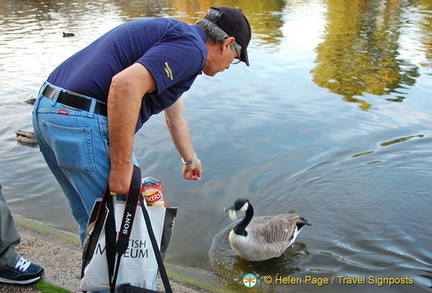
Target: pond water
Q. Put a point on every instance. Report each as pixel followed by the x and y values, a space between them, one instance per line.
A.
pixel 332 119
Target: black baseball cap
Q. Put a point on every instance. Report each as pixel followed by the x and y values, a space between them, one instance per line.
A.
pixel 234 23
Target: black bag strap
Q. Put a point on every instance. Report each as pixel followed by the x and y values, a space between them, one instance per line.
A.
pixel 110 235
pixel 156 250
pixel 129 212
pixel 119 247
pixel 103 216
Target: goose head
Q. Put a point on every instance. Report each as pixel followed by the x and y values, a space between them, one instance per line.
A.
pixel 240 205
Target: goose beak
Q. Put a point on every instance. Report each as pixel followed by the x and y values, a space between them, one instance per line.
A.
pixel 232 213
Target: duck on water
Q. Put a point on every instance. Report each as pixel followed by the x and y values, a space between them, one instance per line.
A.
pixel 262 238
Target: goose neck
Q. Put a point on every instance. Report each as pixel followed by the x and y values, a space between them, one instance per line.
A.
pixel 240 228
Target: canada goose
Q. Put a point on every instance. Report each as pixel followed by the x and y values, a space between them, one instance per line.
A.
pixel 265 237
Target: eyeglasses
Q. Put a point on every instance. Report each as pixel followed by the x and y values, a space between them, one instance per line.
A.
pixel 237 58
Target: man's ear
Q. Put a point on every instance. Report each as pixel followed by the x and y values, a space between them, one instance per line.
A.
pixel 227 43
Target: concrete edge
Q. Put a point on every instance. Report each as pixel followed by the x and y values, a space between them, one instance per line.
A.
pixel 36 234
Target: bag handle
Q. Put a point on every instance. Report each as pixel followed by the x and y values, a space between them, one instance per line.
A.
pixel 156 250
pixel 119 247
pixel 129 211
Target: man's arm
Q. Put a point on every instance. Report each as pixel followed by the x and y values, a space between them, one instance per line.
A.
pixel 124 102
pixel 180 135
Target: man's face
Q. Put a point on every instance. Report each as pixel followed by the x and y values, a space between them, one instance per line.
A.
pixel 220 57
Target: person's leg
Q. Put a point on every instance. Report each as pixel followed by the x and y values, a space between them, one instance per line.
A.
pixel 75 147
pixel 14 269
pixel 9 236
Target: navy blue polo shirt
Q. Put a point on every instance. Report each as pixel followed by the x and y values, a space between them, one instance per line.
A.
pixel 173 51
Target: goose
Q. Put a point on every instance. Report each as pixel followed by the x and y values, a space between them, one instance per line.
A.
pixel 262 238
pixel 31 101
pixel 26 137
pixel 68 35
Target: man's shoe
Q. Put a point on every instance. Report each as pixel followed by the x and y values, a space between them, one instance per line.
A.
pixel 24 272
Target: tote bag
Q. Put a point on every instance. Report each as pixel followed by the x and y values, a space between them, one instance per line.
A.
pixel 111 259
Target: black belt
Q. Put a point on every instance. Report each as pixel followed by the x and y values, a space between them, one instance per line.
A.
pixel 75 100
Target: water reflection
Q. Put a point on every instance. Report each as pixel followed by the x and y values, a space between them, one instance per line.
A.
pixel 148 8
pixel 401 139
pixel 360 53
pixel 389 143
pixel 265 17
pixel 424 21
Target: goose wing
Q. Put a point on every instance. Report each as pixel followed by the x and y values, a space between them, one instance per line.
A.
pixel 274 230
pixel 271 236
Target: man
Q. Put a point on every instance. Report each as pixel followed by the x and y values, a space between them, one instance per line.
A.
pixel 14 269
pixel 92 104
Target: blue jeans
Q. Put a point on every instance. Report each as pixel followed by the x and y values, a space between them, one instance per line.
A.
pixel 75 146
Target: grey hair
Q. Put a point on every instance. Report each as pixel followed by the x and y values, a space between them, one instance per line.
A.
pixel 214 33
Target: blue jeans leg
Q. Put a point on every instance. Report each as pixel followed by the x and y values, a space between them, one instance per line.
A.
pixel 75 147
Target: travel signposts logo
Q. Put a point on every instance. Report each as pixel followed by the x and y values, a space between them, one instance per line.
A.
pixel 250 280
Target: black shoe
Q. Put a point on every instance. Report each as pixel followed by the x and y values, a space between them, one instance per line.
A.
pixel 24 272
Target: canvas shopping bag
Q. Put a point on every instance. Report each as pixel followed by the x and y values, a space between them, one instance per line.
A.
pixel 128 288
pixel 118 249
